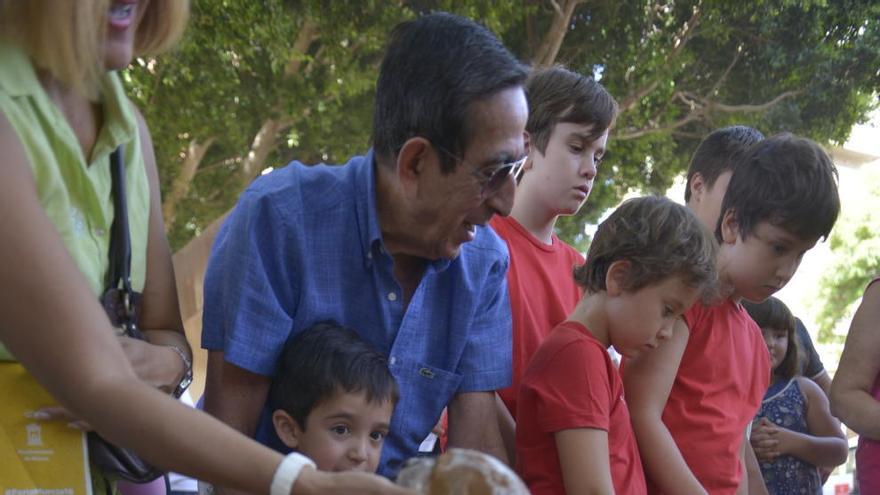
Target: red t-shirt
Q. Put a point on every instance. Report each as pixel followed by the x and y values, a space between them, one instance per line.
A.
pixel 722 378
pixel 570 383
pixel 542 293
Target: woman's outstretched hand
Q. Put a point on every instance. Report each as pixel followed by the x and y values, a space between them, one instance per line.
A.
pixel 312 481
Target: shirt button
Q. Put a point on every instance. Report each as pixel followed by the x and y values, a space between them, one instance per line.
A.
pixel 392 296
pixel 369 255
pixel 392 360
pixel 99 232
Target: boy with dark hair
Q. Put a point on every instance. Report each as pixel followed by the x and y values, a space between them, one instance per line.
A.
pixel 647 264
pixel 569 119
pixel 333 397
pixel 693 399
pixel 711 167
pixel 707 178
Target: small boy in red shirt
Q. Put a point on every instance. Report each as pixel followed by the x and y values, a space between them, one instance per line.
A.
pixel 648 263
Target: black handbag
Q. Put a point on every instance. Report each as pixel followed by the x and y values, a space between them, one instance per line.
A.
pixel 121 304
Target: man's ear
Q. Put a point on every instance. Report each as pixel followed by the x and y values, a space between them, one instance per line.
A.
pixel 617 277
pixel 729 227
pixel 287 428
pixel 413 159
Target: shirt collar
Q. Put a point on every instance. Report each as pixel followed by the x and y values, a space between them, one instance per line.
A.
pixel 120 124
pixel 365 201
pixel 17 77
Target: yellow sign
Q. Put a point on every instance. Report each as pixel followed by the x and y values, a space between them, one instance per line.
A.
pixel 37 457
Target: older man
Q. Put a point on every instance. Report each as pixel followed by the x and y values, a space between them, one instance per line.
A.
pixel 393 244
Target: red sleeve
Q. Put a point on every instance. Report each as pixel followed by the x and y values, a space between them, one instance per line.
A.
pixel 693 316
pixel 574 389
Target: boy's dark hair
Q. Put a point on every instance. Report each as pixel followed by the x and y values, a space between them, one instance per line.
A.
pixel 558 95
pixel 788 181
pixel 719 152
pixel 323 360
pixel 773 313
pixel 659 238
pixel 434 68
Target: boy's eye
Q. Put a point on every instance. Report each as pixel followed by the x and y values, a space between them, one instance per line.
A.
pixel 668 311
pixel 340 429
pixel 377 436
pixel 576 148
pixel 779 249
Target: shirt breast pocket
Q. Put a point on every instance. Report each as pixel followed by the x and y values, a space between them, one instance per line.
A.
pixel 424 391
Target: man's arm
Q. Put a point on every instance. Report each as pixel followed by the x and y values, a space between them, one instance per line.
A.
pixel 647 381
pixel 473 424
pixel 235 396
pixel 507 427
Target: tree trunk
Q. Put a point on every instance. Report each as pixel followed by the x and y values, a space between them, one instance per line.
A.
pixel 189 271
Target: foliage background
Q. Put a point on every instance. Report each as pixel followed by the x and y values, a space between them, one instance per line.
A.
pixel 258 83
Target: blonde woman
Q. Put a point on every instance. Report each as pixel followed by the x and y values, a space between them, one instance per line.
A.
pixel 62 112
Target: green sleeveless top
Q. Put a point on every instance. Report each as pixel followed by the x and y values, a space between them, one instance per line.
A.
pixel 76 191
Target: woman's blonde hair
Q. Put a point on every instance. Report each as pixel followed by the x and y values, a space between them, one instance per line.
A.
pixel 65 37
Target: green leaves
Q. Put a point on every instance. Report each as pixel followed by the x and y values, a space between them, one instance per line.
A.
pixel 679 70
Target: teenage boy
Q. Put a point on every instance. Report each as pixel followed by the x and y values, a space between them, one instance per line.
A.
pixel 647 264
pixel 711 167
pixel 333 396
pixel 569 119
pixel 693 398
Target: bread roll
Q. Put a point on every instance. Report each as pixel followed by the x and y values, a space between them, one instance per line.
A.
pixel 461 472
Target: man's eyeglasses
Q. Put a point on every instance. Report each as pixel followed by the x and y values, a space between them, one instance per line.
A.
pixel 492 178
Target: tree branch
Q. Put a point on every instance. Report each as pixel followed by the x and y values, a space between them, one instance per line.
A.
pixel 721 107
pixel 552 41
pixel 699 108
pixel 195 152
pixel 690 117
pixel 262 144
pixel 631 100
pixel 679 40
pixel 307 34
pixel 723 78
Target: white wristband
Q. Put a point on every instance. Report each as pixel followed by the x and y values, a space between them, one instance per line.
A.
pixel 287 473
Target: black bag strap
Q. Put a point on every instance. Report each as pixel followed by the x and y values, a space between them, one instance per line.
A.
pixel 119 275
